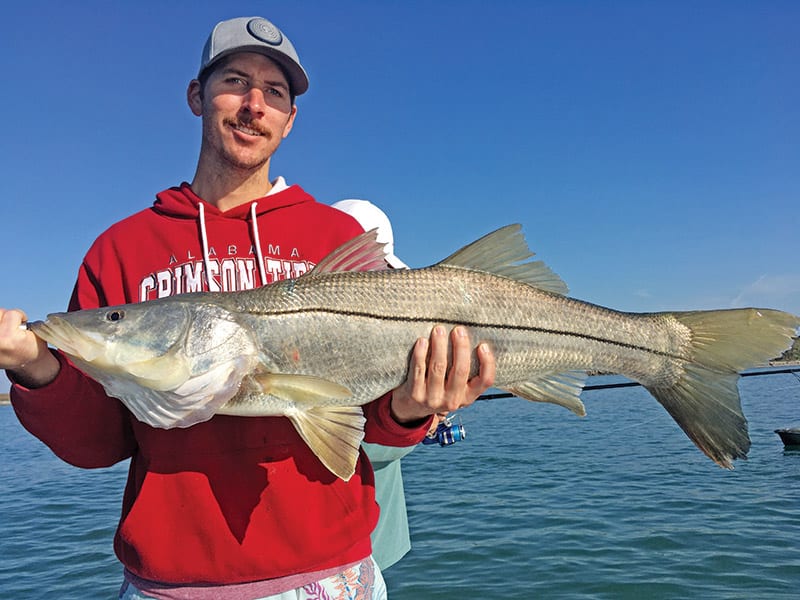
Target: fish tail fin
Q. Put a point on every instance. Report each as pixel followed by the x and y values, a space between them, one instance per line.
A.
pixel 705 400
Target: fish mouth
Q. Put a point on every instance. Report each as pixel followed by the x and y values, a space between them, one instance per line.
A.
pixel 62 334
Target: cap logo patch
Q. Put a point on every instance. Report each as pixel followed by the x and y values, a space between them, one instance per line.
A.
pixel 263 30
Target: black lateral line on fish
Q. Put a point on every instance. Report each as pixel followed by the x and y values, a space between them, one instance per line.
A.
pixel 379 317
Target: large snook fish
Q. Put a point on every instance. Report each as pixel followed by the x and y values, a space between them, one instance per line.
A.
pixel 315 348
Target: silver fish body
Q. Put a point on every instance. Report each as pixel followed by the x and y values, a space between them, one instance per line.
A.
pixel 316 348
pixel 358 328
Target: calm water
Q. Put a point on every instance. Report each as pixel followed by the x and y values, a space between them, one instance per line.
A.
pixel 535 503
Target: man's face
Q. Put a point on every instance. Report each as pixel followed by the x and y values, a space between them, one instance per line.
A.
pixel 247 111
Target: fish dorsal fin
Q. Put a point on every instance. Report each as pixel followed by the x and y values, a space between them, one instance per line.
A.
pixel 504 252
pixel 363 253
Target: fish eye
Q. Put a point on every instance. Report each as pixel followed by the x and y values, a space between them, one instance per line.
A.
pixel 115 315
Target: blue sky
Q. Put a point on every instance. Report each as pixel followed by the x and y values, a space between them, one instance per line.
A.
pixel 649 149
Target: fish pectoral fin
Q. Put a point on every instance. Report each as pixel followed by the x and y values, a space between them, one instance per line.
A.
pixel 563 389
pixel 159 374
pixel 334 434
pixel 302 389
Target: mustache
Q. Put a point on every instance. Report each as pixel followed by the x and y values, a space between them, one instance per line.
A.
pixel 232 122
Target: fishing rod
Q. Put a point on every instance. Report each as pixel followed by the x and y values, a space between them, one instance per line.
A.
pixel 793 369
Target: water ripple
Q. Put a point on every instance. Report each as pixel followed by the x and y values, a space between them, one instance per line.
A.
pixel 535 503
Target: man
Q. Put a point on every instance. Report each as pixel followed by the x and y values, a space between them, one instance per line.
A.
pixel 232 507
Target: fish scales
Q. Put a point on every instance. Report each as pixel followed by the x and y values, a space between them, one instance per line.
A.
pixel 530 330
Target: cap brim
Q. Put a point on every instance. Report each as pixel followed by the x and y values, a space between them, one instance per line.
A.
pixel 395 262
pixel 298 80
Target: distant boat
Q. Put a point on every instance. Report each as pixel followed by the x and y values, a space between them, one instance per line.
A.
pixel 790 437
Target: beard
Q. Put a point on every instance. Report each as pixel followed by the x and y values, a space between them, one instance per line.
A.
pixel 228 154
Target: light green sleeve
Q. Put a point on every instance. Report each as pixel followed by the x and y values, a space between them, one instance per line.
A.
pixel 390 539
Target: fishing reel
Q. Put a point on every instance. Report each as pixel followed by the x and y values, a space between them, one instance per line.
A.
pixel 447 433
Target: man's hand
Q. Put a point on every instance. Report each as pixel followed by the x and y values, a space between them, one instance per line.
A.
pixel 431 386
pixel 24 354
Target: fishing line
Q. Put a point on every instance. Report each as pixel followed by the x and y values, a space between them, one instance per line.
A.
pixel 784 389
pixel 639 424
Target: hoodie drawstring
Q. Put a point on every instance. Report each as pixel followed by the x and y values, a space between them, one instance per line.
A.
pixel 259 257
pixel 262 272
pixel 204 240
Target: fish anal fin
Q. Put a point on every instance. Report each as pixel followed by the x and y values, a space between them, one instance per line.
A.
pixel 334 435
pixel 302 389
pixel 504 252
pixel 563 389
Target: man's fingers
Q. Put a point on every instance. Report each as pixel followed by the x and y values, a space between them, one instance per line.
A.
pixel 437 362
pixel 419 366
pixel 439 373
pixel 485 377
pixel 462 358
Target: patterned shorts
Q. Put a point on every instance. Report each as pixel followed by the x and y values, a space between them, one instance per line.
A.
pixel 362 581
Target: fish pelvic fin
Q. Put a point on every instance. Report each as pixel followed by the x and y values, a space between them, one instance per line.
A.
pixel 705 400
pixel 504 252
pixel 334 434
pixel 563 389
pixel 302 389
pixel 363 253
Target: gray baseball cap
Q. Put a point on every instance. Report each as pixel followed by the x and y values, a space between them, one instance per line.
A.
pixel 254 34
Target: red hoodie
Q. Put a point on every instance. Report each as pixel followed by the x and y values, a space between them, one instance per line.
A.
pixel 234 499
